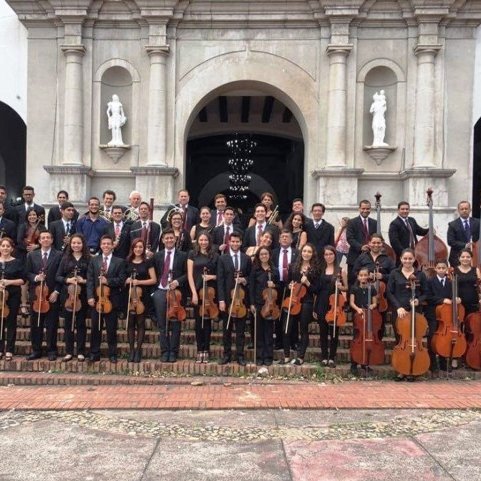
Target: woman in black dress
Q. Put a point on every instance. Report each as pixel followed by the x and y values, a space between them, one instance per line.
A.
pixel 328 279
pixel 11 278
pixel 73 270
pixel 468 282
pixel 295 223
pixel 263 274
pixel 183 241
pixel 202 267
pixel 203 226
pixel 141 273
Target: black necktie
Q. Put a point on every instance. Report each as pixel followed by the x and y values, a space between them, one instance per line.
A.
pixel 467 231
pixel 236 263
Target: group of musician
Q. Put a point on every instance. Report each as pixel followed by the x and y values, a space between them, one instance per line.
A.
pixel 116 261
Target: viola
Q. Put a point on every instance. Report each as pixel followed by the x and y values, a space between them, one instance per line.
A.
pixel 238 308
pixel 73 302
pixel 336 313
pixel 430 248
pixel 103 305
pixel 410 357
pixel 293 303
pixel 270 309
pixel 448 340
pixel 367 348
pixel 136 306
pixel 473 328
pixel 41 304
pixel 388 250
pixel 175 310
pixel 208 308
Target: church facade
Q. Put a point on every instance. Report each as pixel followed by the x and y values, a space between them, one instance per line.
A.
pixel 301 71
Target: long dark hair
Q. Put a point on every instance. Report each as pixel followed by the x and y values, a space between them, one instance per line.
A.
pixel 131 255
pixel 314 262
pixel 288 224
pixel 210 251
pixel 323 262
pixel 257 264
pixel 85 251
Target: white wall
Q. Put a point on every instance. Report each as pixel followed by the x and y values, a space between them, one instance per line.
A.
pixel 13 61
pixel 477 79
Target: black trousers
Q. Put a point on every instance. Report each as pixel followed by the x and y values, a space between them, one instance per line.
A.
pixel 329 342
pixel 432 327
pixel 169 329
pixel 240 326
pixel 48 321
pixel 79 335
pixel 264 338
pixel 110 320
pixel 301 320
pixel 10 325
pixel 202 334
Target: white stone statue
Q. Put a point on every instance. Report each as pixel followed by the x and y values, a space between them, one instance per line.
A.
pixel 378 109
pixel 117 119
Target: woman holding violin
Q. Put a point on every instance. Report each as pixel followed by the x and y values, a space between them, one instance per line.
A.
pixel 72 276
pixel 330 300
pixel 141 275
pixel 406 291
pixel 11 278
pixel 303 279
pixel 263 279
pixel 202 277
pixel 295 223
pixel 203 226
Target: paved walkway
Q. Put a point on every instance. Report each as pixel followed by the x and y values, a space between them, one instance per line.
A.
pixel 233 393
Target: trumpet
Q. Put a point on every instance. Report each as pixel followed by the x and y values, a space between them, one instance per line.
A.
pixel 274 216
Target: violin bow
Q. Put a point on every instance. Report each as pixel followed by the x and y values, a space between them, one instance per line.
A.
pixel 100 300
pixel 289 311
pixel 41 291
pixel 128 301
pixel 3 299
pixel 255 337
pixel 203 296
pixel 74 313
pixel 232 300
pixel 336 293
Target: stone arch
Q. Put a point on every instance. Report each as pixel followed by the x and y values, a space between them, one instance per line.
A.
pixel 249 70
pixel 381 62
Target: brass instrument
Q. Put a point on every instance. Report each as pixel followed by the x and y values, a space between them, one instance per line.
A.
pixel 274 216
pixel 131 214
pixel 174 210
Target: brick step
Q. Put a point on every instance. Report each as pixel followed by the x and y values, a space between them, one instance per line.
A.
pixel 187 352
pixel 188 337
pixel 189 324
pixel 147 372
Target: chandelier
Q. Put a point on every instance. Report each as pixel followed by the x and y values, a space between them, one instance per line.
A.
pixel 240 162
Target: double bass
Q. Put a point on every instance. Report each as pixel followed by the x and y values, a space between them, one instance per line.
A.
pixel 410 357
pixel 448 340
pixel 367 348
pixel 387 249
pixel 336 314
pixel 430 248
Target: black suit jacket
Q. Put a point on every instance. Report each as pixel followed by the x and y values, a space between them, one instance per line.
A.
pixel 457 237
pixel 399 233
pixel 218 234
pixel 116 275
pixel 58 232
pixel 55 214
pixel 355 236
pixel 250 236
pixel 22 213
pixel 124 241
pixel 9 229
pixel 153 235
pixel 276 253
pixel 435 295
pixel 320 237
pixel 179 267
pixel 11 214
pixel 34 266
pixel 225 275
pixel 236 222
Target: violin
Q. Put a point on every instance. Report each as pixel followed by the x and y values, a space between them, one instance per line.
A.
pixel 473 328
pixel 387 249
pixel 448 340
pixel 73 303
pixel 430 248
pixel 336 313
pixel 292 304
pixel 382 304
pixel 409 356
pixel 270 309
pixel 175 310
pixel 208 307
pixel 136 306
pixel 367 348
pixel 103 305
pixel 41 304
pixel 238 308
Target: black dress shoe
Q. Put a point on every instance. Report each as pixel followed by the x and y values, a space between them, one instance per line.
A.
pixel 172 357
pixel 52 357
pixel 267 363
pixel 278 346
pixel 33 356
pixel 165 357
pixel 225 360
pixel 241 361
pixel 94 357
pixel 113 359
pixel 132 356
pixel 259 362
pixel 138 355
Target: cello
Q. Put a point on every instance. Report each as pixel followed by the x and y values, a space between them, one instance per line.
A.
pixel 409 356
pixel 367 348
pixel 387 249
pixel 336 313
pixel 473 329
pixel 382 303
pixel 448 340
pixel 430 248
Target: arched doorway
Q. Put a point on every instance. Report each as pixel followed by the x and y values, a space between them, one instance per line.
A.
pixel 13 148
pixel 277 157
pixel 477 169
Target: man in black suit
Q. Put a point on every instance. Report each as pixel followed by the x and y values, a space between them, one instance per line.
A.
pixel 221 233
pixel 228 265
pixel 217 214
pixel 319 232
pixel 55 212
pixel 7 227
pixel 120 232
pixel 462 232
pixel 63 228
pixel 358 233
pixel 171 267
pixel 403 230
pixel 28 193
pixel 41 268
pixel 282 257
pixel 111 271
pixel 10 212
pixel 190 213
pixel 253 234
pixel 146 229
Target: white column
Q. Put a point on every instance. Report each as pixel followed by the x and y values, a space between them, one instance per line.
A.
pixel 73 103
pixel 424 129
pixel 336 116
pixel 157 117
